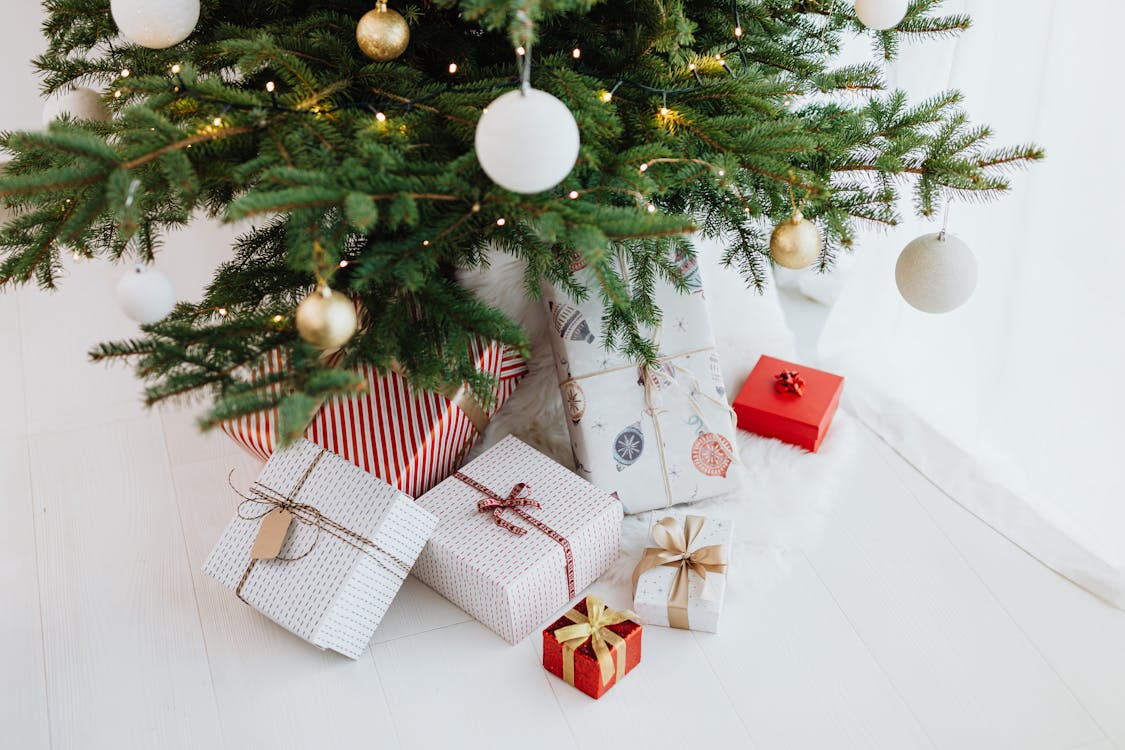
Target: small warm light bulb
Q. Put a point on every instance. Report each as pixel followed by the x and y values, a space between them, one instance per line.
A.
pixel 501 221
pixel 738 32
pixel 651 208
pixel 484 111
pixel 343 264
pixel 476 207
pixel 691 67
pixel 223 311
pixel 573 194
pixel 277 318
pixel 217 122
pixel 722 173
pixel 607 96
pixel 425 243
pixel 644 167
pixel 452 68
pixel 176 69
pixel 521 51
pixel 786 103
pixel 722 63
pixel 270 86
pixel 125 72
pixel 576 53
pixel 117 94
pixel 665 111
pixel 380 117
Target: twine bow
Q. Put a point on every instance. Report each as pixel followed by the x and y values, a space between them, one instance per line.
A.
pixel 789 381
pixel 594 627
pixel 676 548
pixel 309 515
pixel 516 501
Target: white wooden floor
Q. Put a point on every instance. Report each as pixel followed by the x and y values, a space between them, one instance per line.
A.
pixel 908 624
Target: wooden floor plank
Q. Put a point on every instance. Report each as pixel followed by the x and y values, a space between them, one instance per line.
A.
pixel 959 660
pixel 1079 635
pixel 23 693
pixel 125 659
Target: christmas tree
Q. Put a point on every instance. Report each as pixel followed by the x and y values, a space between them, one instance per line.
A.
pixel 361 175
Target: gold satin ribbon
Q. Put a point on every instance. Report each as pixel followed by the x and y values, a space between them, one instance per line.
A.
pixel 594 626
pixel 676 549
pixel 460 397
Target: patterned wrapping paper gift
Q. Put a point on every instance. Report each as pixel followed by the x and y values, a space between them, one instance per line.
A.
pixel 329 571
pixel 412 439
pixel 656 437
pixel 519 537
pixel 681 581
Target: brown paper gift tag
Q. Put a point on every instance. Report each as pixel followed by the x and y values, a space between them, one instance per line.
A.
pixel 271 534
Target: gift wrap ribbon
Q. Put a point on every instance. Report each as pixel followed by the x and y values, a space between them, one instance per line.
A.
pixel 518 499
pixel 676 548
pixel 288 510
pixel 594 627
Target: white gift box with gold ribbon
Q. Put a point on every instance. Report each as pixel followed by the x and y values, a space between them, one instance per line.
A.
pixel 681 580
pixel 320 547
pixel 655 436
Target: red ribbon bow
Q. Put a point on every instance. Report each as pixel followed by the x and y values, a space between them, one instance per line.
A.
pixel 789 381
pixel 515 499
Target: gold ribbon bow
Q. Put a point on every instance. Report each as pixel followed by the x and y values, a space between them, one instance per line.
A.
pixel 676 549
pixel 594 626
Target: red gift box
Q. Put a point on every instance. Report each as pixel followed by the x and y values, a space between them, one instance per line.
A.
pixel 592 647
pixel 796 408
pixel 410 439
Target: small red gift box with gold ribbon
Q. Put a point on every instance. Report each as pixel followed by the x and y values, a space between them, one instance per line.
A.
pixel 592 647
pixel 789 402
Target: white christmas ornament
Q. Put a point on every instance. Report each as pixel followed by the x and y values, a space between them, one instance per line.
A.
pixel 527 141
pixel 79 103
pixel 881 15
pixel 936 273
pixel 145 294
pixel 156 24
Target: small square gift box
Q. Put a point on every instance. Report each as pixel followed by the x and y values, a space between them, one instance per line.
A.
pixel 409 438
pixel 680 583
pixel 786 401
pixel 320 547
pixel 519 536
pixel 592 647
pixel 659 435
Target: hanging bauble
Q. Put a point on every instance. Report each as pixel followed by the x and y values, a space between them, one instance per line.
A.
pixel 936 273
pixel 156 24
pixel 326 318
pixel 145 294
pixel 795 242
pixel 382 33
pixel 78 103
pixel 881 15
pixel 527 141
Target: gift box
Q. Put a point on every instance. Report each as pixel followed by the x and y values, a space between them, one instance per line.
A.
pixel 592 647
pixel 320 547
pixel 410 438
pixel 789 402
pixel 519 536
pixel 681 581
pixel 658 436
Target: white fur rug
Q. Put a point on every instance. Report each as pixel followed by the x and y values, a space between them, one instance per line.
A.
pixel 787 491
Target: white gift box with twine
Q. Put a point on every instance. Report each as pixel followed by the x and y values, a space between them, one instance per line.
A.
pixel 656 436
pixel 320 547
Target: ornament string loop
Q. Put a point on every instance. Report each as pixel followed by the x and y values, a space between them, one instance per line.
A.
pixel 516 501
pixel 308 515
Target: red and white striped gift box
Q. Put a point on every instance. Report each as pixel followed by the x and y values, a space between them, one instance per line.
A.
pixel 409 438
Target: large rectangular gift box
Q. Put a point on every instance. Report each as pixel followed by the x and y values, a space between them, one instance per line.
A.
pixel 789 402
pixel 657 437
pixel 519 537
pixel 320 547
pixel 681 581
pixel 410 438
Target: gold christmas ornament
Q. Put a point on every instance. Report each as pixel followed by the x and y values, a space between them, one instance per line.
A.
pixel 326 319
pixel 382 33
pixel 795 242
